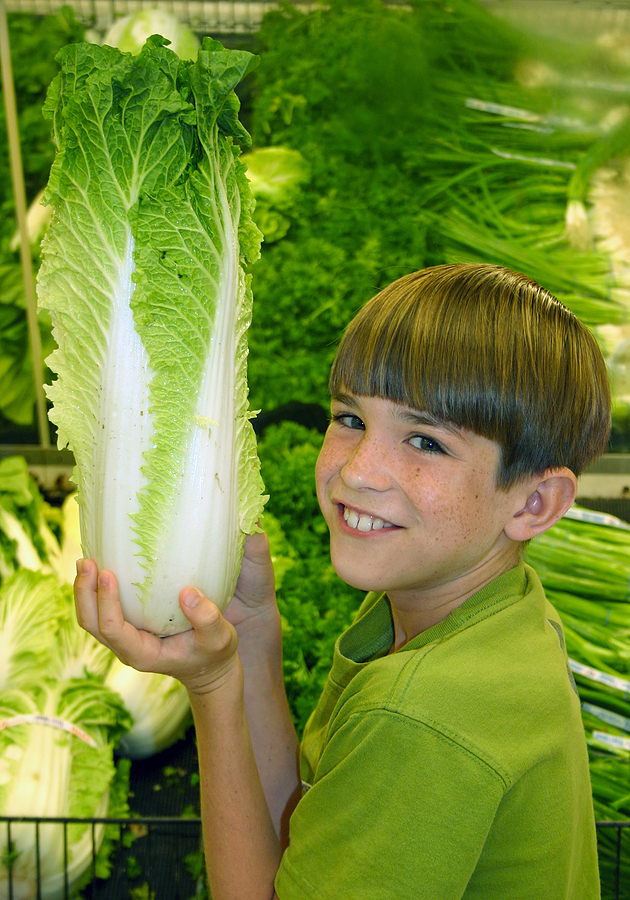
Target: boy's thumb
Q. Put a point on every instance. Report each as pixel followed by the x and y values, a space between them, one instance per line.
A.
pixel 190 597
pixel 199 610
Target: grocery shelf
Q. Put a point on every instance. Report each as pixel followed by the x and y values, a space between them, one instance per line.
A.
pixel 553 17
pixel 204 16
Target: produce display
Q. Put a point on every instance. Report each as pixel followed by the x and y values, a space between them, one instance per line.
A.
pixel 384 139
pixel 143 275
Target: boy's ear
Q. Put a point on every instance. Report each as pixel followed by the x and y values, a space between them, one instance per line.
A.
pixel 549 496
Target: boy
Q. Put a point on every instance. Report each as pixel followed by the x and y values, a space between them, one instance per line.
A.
pixel 446 758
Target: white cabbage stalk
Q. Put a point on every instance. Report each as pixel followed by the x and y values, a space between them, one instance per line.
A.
pixel 143 274
pixel 37 221
pixel 159 708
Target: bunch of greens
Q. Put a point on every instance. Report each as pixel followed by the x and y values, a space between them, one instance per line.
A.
pixel 584 565
pixel 35 41
pixel 424 142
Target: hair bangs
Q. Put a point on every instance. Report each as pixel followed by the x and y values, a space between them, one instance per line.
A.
pixel 484 349
pixel 429 356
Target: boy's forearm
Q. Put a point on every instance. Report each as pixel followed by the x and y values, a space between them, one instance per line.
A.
pixel 273 737
pixel 242 848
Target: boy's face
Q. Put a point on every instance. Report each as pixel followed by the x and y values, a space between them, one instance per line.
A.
pixel 411 504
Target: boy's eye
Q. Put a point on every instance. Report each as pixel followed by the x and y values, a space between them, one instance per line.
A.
pixel 348 420
pixel 426 444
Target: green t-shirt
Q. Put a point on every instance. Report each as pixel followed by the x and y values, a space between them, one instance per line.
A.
pixel 454 768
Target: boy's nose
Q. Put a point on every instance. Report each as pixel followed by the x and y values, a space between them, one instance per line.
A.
pixel 366 467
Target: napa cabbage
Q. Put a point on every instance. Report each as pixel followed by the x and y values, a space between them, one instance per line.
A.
pixel 130 32
pixel 59 725
pixel 143 273
pixel 159 708
pixel 56 760
pixel 31 603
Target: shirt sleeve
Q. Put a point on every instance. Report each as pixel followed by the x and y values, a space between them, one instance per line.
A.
pixel 397 809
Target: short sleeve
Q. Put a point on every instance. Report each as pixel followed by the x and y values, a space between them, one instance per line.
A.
pixel 397 809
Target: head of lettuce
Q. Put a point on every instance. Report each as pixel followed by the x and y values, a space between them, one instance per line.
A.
pixel 143 273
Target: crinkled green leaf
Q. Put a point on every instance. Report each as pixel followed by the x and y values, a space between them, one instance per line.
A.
pixel 143 274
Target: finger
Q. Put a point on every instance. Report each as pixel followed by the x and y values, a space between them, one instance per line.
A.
pixel 256 547
pixel 131 645
pixel 85 595
pixel 256 582
pixel 212 631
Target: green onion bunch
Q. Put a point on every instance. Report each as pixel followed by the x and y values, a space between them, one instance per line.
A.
pixel 584 565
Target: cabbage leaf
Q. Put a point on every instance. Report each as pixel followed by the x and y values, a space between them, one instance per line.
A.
pixel 158 705
pixel 143 274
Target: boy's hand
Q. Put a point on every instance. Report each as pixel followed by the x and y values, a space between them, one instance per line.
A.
pixel 253 606
pixel 202 659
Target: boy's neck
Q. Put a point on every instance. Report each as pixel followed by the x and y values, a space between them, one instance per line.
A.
pixel 414 613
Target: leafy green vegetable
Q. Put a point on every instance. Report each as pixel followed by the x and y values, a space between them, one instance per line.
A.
pixel 425 144
pixel 275 175
pixel 158 705
pixel 30 606
pixel 143 275
pixel 48 771
pixel 34 42
pixel 131 32
pixel 26 536
pixel 584 565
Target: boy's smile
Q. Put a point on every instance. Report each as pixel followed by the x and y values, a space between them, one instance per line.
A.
pixel 412 507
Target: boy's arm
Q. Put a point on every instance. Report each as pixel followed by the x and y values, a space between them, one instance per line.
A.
pixel 240 833
pixel 255 616
pixel 274 741
pixel 242 849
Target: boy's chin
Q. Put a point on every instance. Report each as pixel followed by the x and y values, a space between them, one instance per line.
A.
pixel 356 577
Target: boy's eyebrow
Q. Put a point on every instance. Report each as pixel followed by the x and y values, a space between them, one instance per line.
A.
pixel 345 399
pixel 415 417
pixel 406 414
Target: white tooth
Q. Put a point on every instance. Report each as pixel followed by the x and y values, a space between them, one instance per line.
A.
pixel 365 523
pixel 377 524
pixel 346 513
pixel 387 525
pixel 353 518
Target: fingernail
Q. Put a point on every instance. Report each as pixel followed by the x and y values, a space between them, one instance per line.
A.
pixel 103 579
pixel 191 597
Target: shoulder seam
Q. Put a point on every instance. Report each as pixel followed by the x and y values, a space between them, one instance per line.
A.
pixel 444 734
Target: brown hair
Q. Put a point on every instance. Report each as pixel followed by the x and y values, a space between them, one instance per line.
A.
pixel 488 350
